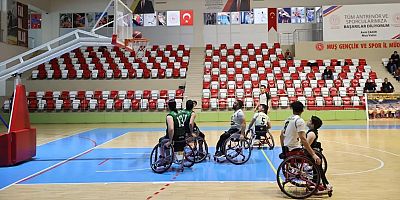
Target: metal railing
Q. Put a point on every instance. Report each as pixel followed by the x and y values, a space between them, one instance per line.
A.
pixel 290 38
pixel 286 38
pixel 50 50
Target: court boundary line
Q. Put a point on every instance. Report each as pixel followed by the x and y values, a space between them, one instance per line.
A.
pixel 79 132
pixel 366 147
pixel 61 162
pixel 269 162
pixel 162 182
pixel 382 164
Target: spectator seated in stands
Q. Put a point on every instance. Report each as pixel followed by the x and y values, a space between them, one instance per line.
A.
pixel 396 58
pixel 370 86
pixel 391 66
pixel 327 75
pixel 397 74
pixel 288 55
pixel 387 87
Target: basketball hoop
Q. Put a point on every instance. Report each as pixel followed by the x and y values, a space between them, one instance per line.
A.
pixel 138 45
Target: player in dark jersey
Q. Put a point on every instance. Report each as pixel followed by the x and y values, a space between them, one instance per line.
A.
pixel 190 104
pixel 175 131
pixel 312 138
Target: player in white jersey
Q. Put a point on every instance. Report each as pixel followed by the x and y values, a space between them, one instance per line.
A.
pixel 261 122
pixel 238 124
pixel 264 98
pixel 294 132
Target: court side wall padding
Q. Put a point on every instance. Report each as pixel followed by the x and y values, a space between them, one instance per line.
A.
pixel 159 117
pixel 19 144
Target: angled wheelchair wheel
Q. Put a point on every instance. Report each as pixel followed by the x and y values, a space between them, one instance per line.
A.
pixel 161 163
pixel 237 151
pixel 189 156
pixel 269 140
pixel 298 177
pixel 250 136
pixel 324 162
pixel 201 149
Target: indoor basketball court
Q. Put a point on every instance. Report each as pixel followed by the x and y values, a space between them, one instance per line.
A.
pixel 84 107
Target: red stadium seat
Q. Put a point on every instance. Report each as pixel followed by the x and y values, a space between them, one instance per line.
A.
pixel 333 92
pixel 338 83
pixel 152 104
pixel 205 104
pixel 135 104
pixel 275 102
pixel 310 101
pixel 317 91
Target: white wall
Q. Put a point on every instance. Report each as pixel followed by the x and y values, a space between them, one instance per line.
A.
pixel 8 51
pixel 201 34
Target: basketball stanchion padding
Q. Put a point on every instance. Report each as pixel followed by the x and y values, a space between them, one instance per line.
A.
pixel 19 144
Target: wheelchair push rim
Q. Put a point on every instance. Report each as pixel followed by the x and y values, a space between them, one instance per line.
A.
pixel 200 155
pixel 298 177
pixel 270 140
pixel 155 159
pixel 237 151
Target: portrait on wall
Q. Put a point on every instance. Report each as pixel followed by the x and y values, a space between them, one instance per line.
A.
pixel 36 21
pixel 284 15
pixel 247 17
pixel 137 20
pixel 223 18
pixel 103 19
pixel 210 18
pixel 143 6
pixel 90 19
pixel 162 18
pixel 79 20
pixel 298 15
pixel 173 18
pixel 235 18
pixel 66 20
pixel 260 15
pixel 237 6
pixel 310 15
pixel 150 19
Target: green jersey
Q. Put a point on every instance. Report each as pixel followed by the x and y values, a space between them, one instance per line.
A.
pixel 188 114
pixel 179 124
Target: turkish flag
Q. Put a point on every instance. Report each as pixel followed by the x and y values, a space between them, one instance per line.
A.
pixel 187 17
pixel 272 19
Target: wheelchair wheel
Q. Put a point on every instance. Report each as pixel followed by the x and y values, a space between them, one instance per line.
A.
pixel 298 177
pixel 200 149
pixel 250 136
pixel 269 140
pixel 158 163
pixel 189 156
pixel 324 162
pixel 237 151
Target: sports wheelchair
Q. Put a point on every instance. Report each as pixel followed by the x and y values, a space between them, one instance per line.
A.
pixel 235 149
pixel 266 138
pixel 298 176
pixel 179 152
pixel 199 146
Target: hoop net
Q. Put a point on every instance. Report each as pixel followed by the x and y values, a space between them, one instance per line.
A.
pixel 138 45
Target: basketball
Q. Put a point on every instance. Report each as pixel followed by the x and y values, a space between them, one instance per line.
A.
pixel 137 34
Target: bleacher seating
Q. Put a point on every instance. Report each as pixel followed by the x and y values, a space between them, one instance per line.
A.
pixel 238 72
pixel 115 63
pixel 100 100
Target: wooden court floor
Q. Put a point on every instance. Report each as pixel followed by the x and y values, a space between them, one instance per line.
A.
pixel 363 164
